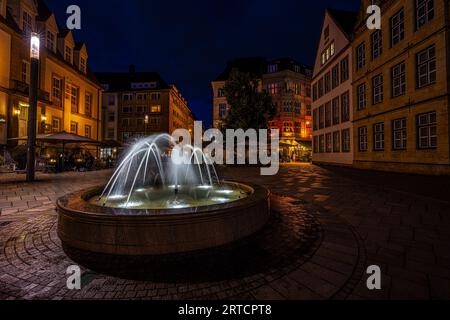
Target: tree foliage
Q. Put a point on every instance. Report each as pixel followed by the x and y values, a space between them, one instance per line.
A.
pixel 250 108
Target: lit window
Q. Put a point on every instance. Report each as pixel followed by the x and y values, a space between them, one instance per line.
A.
pixel 155 109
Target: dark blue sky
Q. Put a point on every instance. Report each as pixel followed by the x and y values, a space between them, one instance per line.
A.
pixel 189 42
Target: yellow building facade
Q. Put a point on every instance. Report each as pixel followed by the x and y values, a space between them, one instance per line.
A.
pixel 401 88
pixel 68 95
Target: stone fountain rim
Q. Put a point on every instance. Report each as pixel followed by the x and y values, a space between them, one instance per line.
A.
pixel 77 204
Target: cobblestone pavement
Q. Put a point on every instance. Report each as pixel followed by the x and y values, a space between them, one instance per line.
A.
pixel 328 225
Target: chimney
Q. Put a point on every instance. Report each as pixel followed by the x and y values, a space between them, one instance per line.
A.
pixel 132 68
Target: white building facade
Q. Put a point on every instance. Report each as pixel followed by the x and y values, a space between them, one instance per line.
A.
pixel 332 91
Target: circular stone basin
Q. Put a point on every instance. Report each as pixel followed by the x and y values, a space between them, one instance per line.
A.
pixel 157 228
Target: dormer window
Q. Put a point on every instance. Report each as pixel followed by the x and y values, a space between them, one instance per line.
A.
pixel 27 22
pixel 50 41
pixel 68 54
pixel 83 65
pixel 272 68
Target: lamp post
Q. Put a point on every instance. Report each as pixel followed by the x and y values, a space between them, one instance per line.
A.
pixel 146 124
pixel 32 112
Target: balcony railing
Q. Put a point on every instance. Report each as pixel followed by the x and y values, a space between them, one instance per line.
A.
pixel 23 88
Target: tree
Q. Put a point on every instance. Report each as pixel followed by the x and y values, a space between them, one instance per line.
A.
pixel 249 108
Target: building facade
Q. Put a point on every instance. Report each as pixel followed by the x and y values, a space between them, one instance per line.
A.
pixel 332 91
pixel 142 103
pixel 289 84
pixel 401 88
pixel 68 94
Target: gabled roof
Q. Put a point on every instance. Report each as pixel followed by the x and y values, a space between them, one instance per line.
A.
pixel 346 20
pixel 253 65
pixel 289 64
pixel 121 81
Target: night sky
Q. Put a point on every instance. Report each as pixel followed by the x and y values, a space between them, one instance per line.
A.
pixel 189 42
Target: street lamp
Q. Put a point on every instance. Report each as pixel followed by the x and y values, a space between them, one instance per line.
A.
pixel 32 113
pixel 146 124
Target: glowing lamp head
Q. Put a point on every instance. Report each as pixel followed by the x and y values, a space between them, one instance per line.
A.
pixel 34 46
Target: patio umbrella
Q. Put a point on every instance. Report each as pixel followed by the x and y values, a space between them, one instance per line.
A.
pixel 61 137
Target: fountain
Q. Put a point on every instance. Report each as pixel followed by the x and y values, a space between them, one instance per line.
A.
pixel 163 198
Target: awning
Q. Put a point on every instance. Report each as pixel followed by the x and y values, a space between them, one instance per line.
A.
pixel 60 137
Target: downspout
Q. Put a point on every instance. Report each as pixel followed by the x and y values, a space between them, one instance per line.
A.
pixel 447 52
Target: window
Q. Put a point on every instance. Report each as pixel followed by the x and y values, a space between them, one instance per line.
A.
pixel 56 124
pixel 345 74
pixel 328 114
pixel 220 93
pixel 320 87
pixel 155 109
pixel 362 136
pixel 336 141
pixel 141 96
pixel 140 122
pixel 83 65
pixel 24 71
pixel 426 67
pixel 335 77
pixel 274 88
pixel 68 54
pixel 316 144
pixel 125 122
pixel 399 80
pixel 222 110
pixel 315 120
pixel 111 100
pixel 378 137
pixel 315 92
pixel 399 134
pixel 336 111
pixel 327 82
pixel 361 56
pixel 345 107
pixel 397 28
pixel 155 96
pixel 321 117
pixel 308 110
pixel 111 116
pixel 74 99
pixel 346 140
pixel 126 136
pixel 328 53
pixel 57 91
pixel 88 105
pixel 141 109
pixel 74 127
pixel 377 44
pixel 361 93
pixel 27 22
pixel 329 143
pixel 87 131
pixel 322 144
pixel 427 130
pixel 272 68
pixel 50 40
pixel 127 109
pixel 127 97
pixel 111 133
pixel 424 12
pixel 377 89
